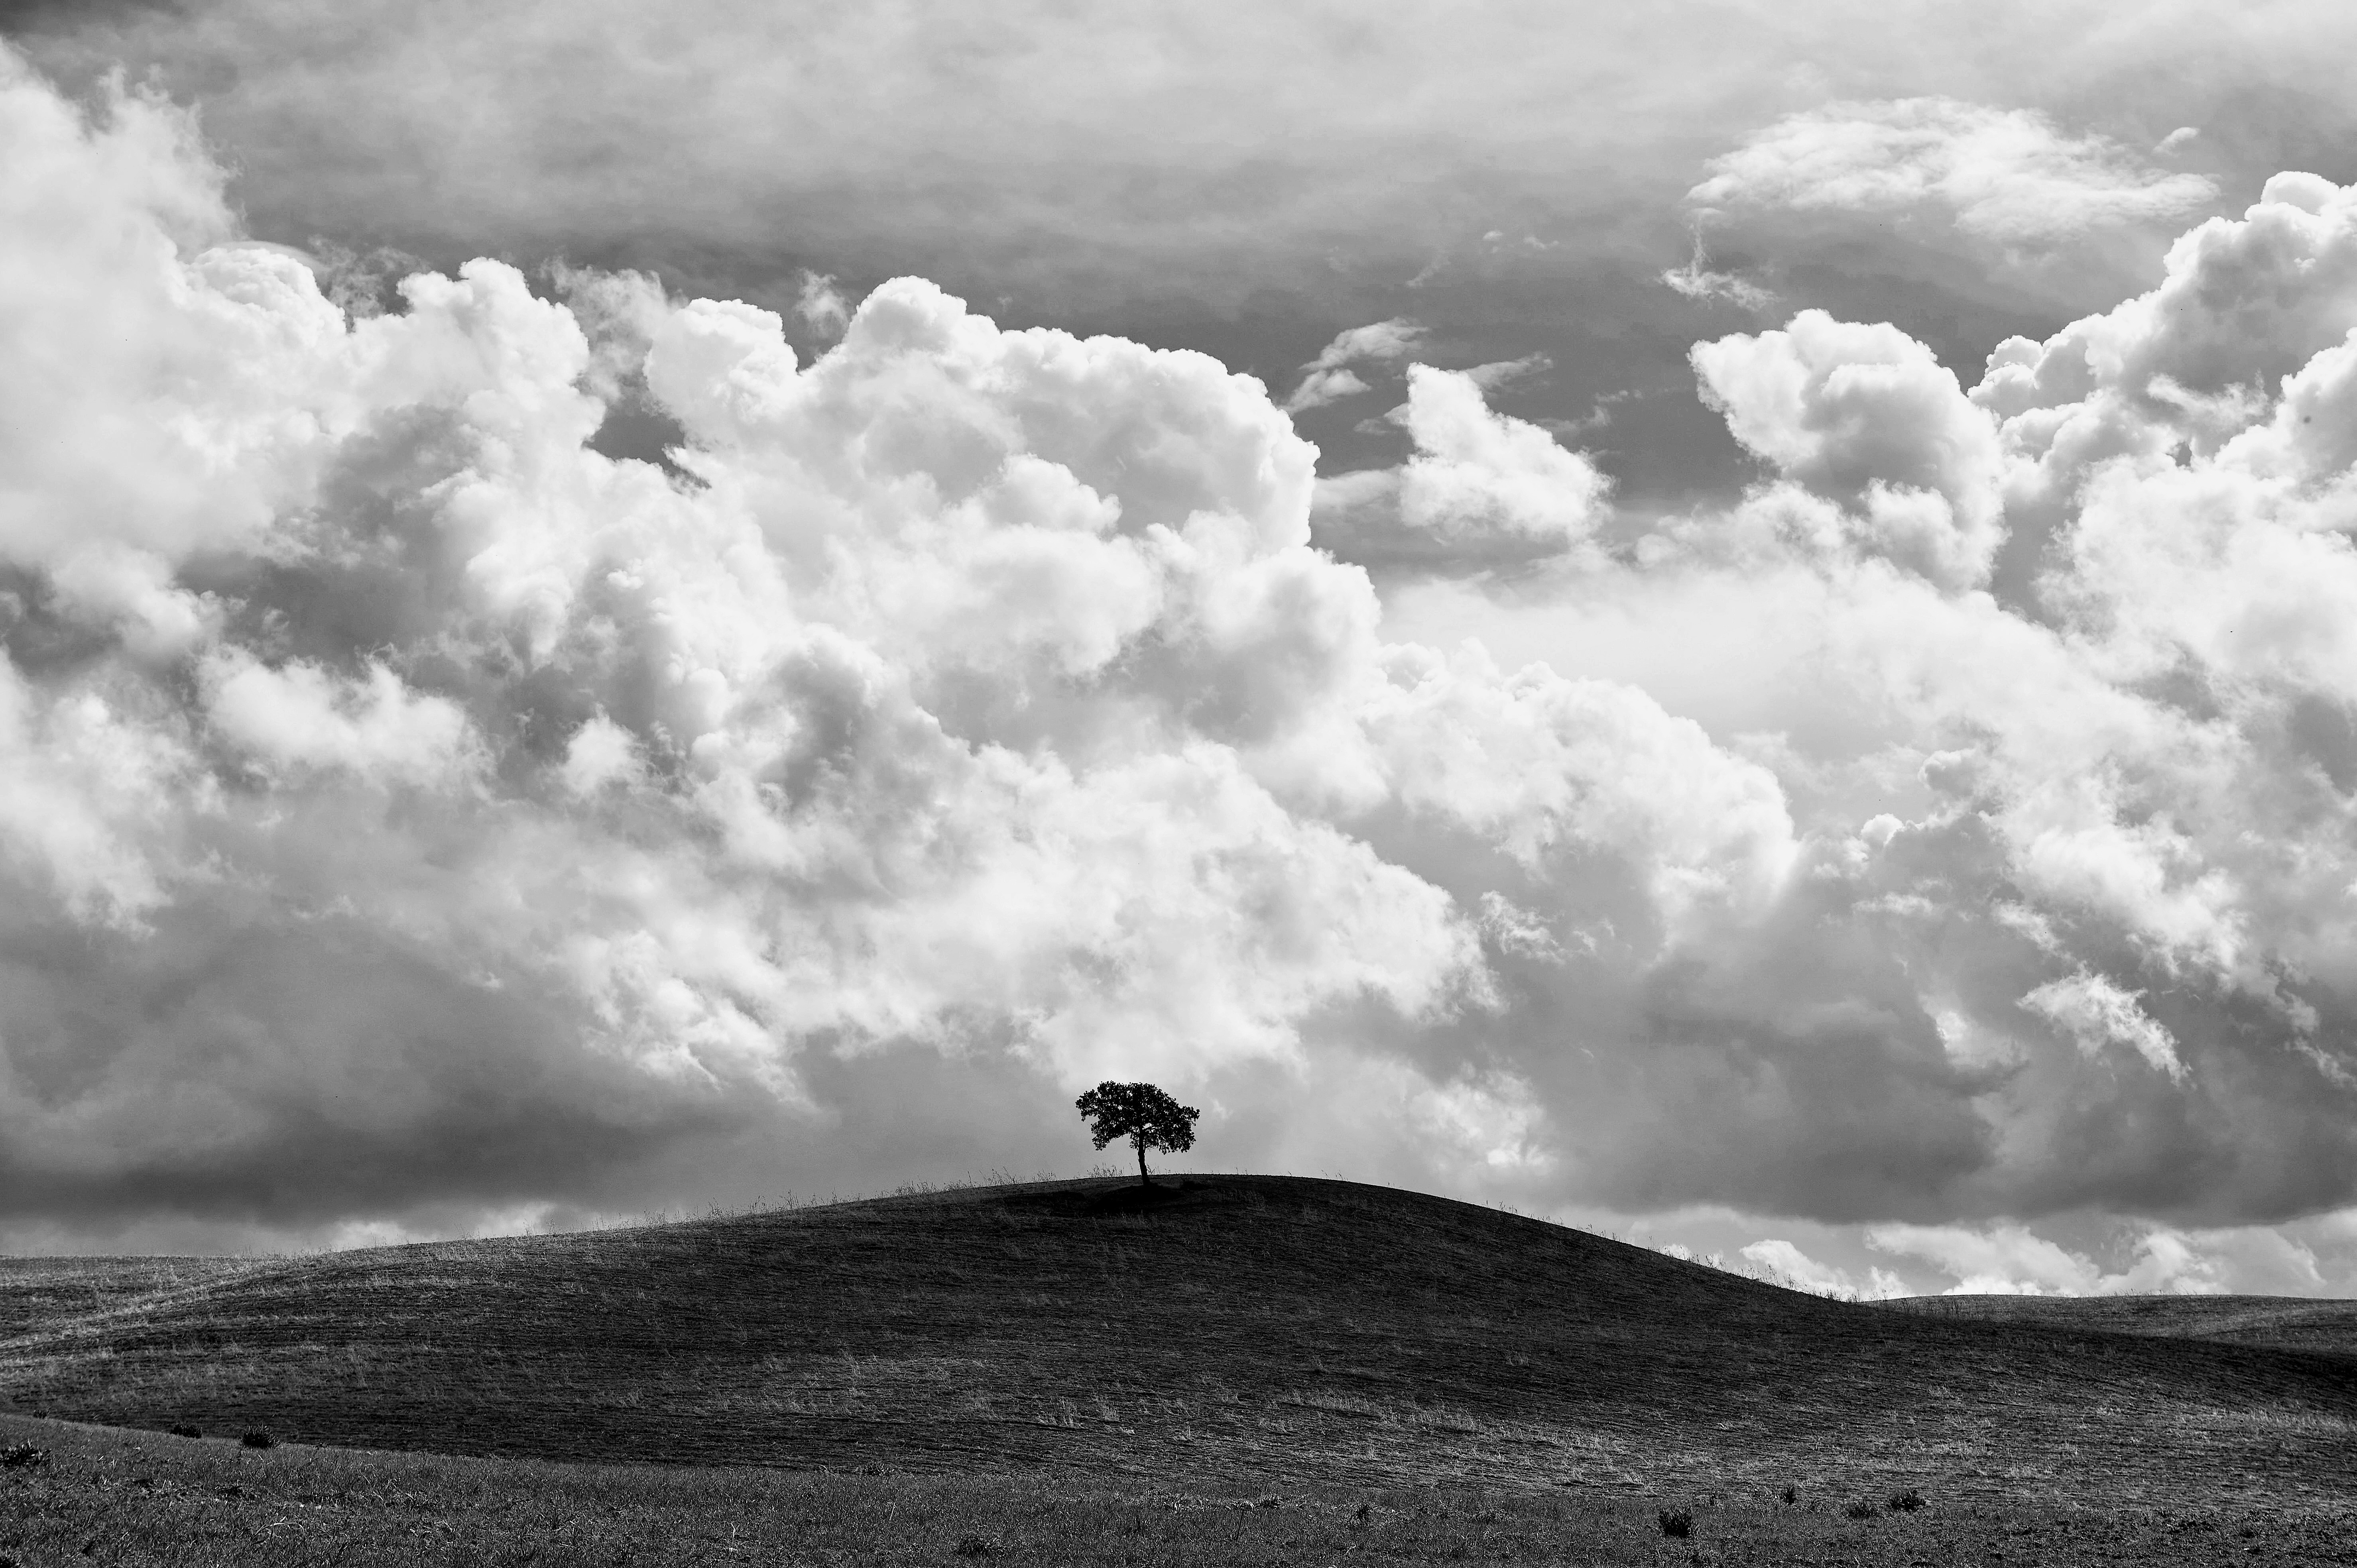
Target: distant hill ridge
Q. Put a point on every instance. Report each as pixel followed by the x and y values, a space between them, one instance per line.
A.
pixel 2285 1323
pixel 1239 1328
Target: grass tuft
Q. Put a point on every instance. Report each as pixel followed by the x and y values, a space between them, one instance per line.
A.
pixel 976 1546
pixel 23 1456
pixel 1907 1501
pixel 257 1439
pixel 1677 1523
pixel 182 1431
pixel 1860 1507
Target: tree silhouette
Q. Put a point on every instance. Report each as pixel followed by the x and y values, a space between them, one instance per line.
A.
pixel 1141 1113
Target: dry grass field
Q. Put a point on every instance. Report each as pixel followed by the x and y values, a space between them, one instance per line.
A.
pixel 2283 1323
pixel 114 1496
pixel 38 1291
pixel 1055 1373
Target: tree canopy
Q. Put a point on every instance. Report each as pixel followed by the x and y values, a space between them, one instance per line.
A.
pixel 1142 1113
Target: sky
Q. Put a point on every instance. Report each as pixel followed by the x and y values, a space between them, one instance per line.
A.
pixel 1731 623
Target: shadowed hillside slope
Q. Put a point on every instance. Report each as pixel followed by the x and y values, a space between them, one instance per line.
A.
pixel 1241 1330
pixel 2284 1322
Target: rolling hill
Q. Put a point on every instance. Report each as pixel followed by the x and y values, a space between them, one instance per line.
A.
pixel 2275 1322
pixel 1238 1330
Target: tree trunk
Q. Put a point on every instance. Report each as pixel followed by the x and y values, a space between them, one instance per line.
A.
pixel 1142 1178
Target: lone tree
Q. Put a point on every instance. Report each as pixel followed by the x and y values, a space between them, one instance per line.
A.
pixel 1141 1113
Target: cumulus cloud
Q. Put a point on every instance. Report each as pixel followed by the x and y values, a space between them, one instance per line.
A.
pixel 2051 672
pixel 2096 1014
pixel 964 697
pixel 1482 488
pixel 1329 378
pixel 2011 1260
pixel 1866 417
pixel 411 808
pixel 1788 1265
pixel 2009 176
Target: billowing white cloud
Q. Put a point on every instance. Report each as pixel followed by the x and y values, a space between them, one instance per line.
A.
pixel 2086 830
pixel 1482 488
pixel 2012 1260
pixel 967 714
pixel 2008 1260
pixel 301 717
pixel 2009 176
pixel 228 347
pixel 1866 417
pixel 967 697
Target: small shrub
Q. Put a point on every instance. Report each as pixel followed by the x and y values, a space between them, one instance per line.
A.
pixel 23 1456
pixel 1677 1523
pixel 183 1432
pixel 257 1439
pixel 976 1546
pixel 1792 1495
pixel 1859 1508
pixel 1907 1501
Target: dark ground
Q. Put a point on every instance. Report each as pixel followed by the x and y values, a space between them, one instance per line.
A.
pixel 1057 1353
pixel 114 1497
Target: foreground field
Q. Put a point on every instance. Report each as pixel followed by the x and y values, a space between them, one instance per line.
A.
pixel 114 1497
pixel 1049 1364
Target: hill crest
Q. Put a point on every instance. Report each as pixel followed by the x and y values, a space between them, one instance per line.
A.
pixel 1234 1327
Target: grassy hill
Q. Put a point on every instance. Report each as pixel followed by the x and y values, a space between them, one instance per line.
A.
pixel 35 1292
pixel 1241 1332
pixel 2275 1322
